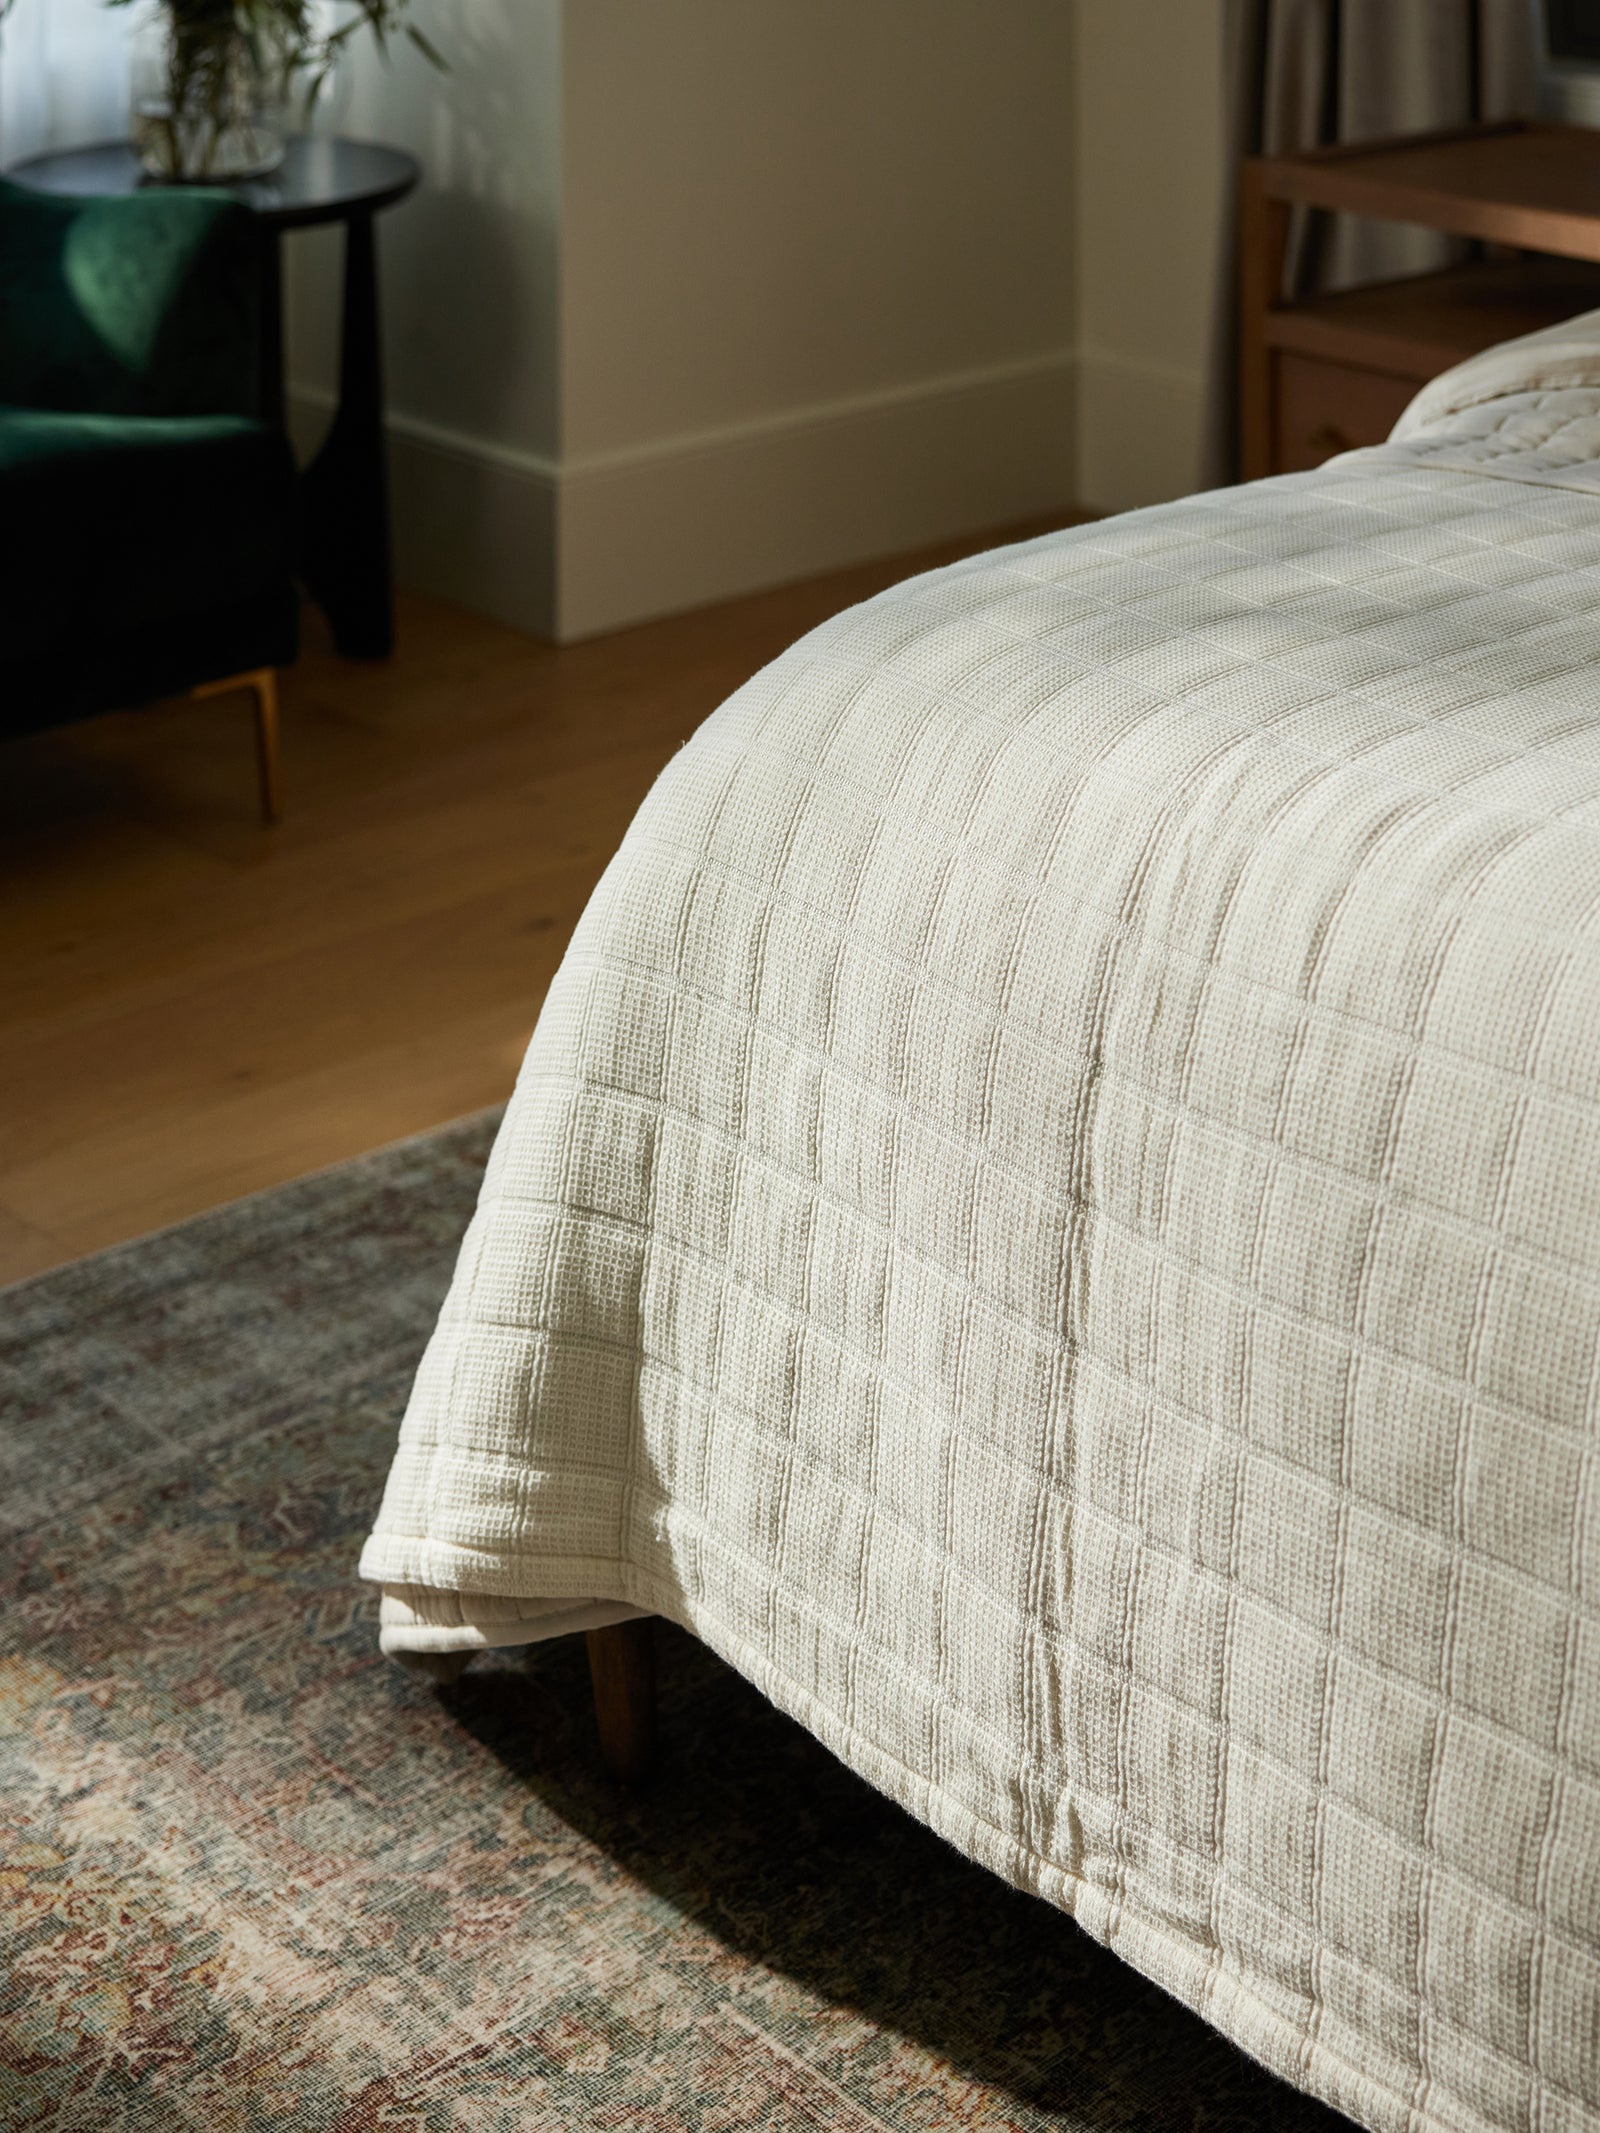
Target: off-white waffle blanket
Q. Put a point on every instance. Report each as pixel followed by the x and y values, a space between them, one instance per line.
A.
pixel 1053 1217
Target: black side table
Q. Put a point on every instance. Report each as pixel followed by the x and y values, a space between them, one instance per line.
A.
pixel 344 557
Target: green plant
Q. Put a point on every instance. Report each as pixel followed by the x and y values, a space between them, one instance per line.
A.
pixel 281 36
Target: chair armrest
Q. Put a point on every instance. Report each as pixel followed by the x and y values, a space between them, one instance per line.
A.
pixel 145 304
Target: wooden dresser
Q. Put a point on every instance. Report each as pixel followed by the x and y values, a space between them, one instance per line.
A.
pixel 1328 373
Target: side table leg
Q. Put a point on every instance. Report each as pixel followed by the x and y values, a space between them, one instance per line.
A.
pixel 344 493
pixel 270 356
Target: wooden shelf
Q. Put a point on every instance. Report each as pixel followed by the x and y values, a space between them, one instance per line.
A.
pixel 1332 372
pixel 1522 183
pixel 1417 327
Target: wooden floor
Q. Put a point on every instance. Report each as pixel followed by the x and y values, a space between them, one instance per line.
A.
pixel 193 1007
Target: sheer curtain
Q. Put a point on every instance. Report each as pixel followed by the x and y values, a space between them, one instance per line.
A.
pixel 63 75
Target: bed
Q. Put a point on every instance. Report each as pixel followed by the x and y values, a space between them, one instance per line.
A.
pixel 1052 1216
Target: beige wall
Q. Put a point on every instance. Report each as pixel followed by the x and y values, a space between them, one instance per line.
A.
pixel 817 286
pixel 1148 133
pixel 776 203
pixel 707 295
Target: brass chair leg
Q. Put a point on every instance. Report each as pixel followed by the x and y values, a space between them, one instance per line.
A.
pixel 266 694
pixel 262 683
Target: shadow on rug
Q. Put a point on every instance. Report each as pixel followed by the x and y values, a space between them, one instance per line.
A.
pixel 252 1876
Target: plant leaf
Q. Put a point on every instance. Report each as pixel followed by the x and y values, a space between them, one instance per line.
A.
pixel 425 45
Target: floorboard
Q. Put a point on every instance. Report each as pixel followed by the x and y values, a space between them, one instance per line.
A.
pixel 193 1007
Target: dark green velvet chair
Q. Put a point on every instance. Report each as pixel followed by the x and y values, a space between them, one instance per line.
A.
pixel 149 512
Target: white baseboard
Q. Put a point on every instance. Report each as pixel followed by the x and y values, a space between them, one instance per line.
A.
pixel 478 530
pixel 592 544
pixel 473 524
pixel 1141 430
pixel 769 502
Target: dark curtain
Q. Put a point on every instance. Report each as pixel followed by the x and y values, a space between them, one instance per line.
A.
pixel 1308 73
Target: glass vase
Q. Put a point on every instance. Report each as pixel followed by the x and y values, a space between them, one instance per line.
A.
pixel 207 106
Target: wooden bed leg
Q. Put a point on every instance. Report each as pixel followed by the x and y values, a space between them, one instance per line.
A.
pixel 622 1666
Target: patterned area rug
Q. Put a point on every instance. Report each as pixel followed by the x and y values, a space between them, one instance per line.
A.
pixel 252 1876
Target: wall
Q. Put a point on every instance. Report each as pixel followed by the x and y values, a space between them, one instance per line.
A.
pixel 1150 166
pixel 817 286
pixel 710 295
pixel 707 295
pixel 470 271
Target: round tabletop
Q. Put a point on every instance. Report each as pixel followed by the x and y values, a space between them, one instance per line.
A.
pixel 321 178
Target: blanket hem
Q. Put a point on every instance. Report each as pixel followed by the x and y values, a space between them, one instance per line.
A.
pixel 1202 1982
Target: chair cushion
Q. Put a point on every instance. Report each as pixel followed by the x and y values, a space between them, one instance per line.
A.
pixel 145 304
pixel 130 538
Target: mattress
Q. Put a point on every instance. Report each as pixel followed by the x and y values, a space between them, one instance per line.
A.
pixel 1052 1216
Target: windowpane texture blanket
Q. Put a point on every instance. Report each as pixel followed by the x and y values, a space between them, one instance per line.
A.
pixel 1052 1216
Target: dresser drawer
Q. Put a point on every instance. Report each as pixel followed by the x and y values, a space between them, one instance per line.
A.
pixel 1325 408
